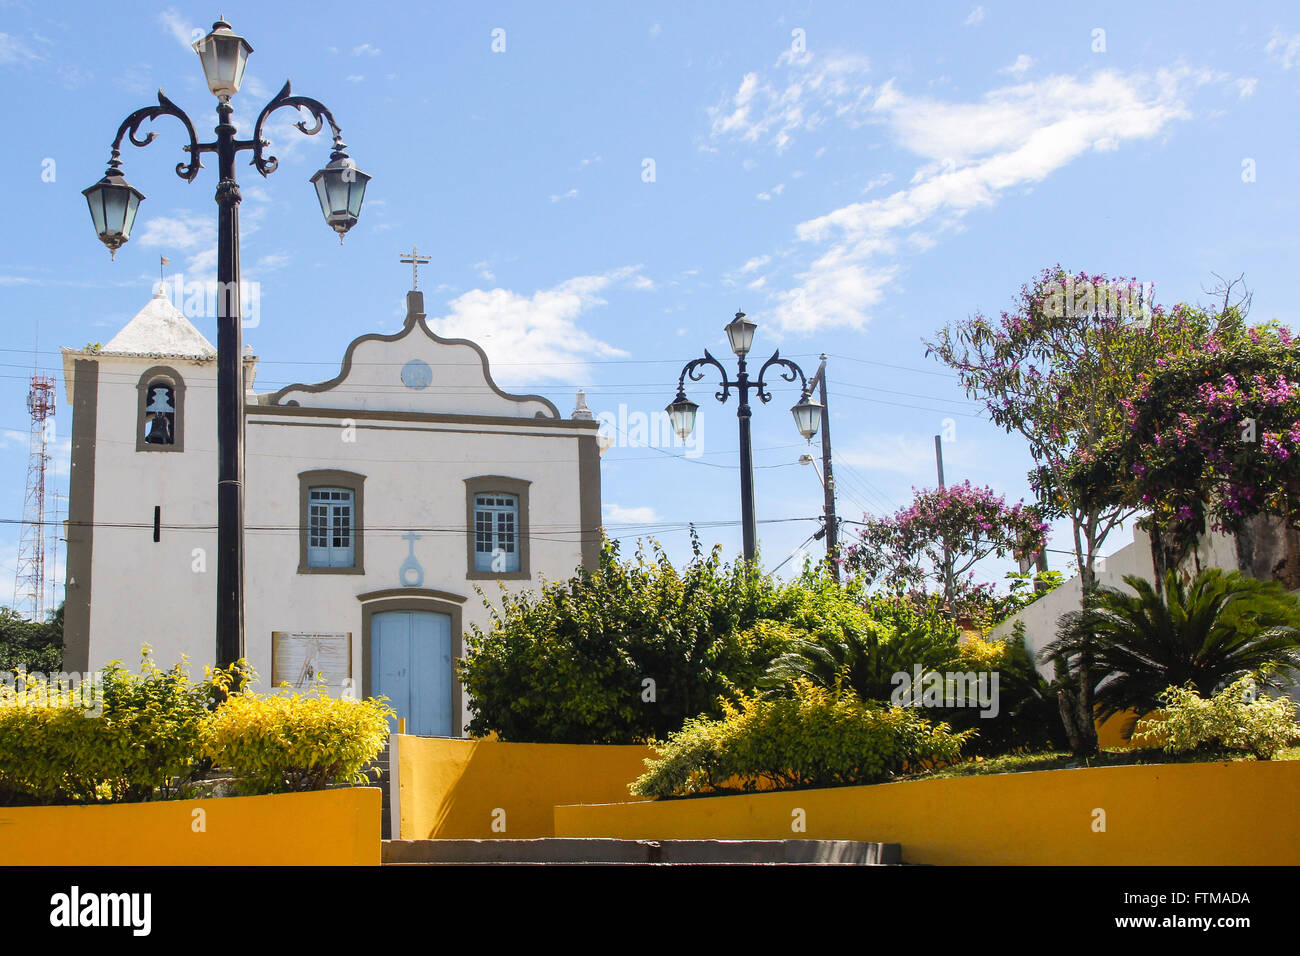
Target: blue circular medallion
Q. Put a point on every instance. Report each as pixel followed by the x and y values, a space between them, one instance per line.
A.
pixel 417 374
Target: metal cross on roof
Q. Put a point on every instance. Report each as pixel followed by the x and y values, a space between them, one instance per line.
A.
pixel 416 260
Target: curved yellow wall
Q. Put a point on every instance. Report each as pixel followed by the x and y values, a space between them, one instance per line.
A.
pixel 323 828
pixel 1240 813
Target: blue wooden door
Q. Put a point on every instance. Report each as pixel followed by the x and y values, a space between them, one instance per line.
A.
pixel 410 664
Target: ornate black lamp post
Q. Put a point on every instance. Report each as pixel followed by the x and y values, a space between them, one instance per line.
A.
pixel 807 413
pixel 114 202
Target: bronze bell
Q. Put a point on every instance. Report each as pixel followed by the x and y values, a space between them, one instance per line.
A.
pixel 160 431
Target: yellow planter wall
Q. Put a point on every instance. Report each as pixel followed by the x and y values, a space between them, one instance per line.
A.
pixel 1191 814
pixel 456 789
pixel 321 828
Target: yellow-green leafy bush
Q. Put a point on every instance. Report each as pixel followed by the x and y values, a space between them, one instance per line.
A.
pixel 815 737
pixel 281 742
pixel 139 742
pixel 1236 718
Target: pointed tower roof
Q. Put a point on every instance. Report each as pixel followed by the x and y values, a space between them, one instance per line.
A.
pixel 160 329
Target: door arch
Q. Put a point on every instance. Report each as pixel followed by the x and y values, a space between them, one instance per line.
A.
pixel 410 641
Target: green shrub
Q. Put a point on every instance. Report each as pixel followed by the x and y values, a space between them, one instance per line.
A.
pixel 143 744
pixel 154 734
pixel 863 640
pixel 627 651
pixel 814 738
pixel 282 742
pixel 31 645
pixel 1206 631
pixel 1028 715
pixel 1233 719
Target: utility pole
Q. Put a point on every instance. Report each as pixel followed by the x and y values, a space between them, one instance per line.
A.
pixel 828 480
pixel 947 555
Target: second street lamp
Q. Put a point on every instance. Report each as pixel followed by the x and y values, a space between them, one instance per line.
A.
pixel 114 202
pixel 681 411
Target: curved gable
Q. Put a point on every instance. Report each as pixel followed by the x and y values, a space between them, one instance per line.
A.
pixel 415 370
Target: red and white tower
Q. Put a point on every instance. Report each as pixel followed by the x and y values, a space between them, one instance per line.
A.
pixel 29 573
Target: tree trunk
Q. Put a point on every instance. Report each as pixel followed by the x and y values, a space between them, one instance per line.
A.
pixel 1290 575
pixel 1291 569
pixel 1159 563
pixel 1075 699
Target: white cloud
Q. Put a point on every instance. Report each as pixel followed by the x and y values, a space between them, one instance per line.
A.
pixel 60 459
pixel 975 16
pixel 755 263
pixel 366 49
pixel 182 232
pixel 13 50
pixel 537 337
pixel 814 91
pixel 617 514
pixel 975 152
pixel 901 454
pixel 1284 49
pixel 884 179
pixel 178 28
pixel 571 194
pixel 1020 66
pixel 185 232
pixel 1246 86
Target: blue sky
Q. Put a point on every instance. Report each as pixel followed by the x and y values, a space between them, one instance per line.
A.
pixel 852 177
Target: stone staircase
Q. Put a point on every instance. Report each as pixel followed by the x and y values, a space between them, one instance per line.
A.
pixel 564 850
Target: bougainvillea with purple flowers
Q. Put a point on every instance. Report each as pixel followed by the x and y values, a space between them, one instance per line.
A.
pixel 1209 435
pixel 1056 370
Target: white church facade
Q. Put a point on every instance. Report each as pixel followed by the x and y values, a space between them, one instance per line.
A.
pixel 376 503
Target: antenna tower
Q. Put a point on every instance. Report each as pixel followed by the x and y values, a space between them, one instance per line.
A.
pixel 29 574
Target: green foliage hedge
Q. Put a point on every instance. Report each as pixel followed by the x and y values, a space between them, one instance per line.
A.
pixel 813 738
pixel 625 652
pixel 31 645
pixel 153 735
pixel 142 744
pixel 287 742
pixel 1236 718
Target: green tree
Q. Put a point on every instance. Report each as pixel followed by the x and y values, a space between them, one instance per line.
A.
pixel 939 537
pixel 891 636
pixel 1055 370
pixel 1208 435
pixel 31 645
pixel 628 651
pixel 1203 634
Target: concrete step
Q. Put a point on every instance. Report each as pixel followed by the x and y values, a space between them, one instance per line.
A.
pixel 607 851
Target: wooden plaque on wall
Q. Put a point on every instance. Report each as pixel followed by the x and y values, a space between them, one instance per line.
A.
pixel 298 656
